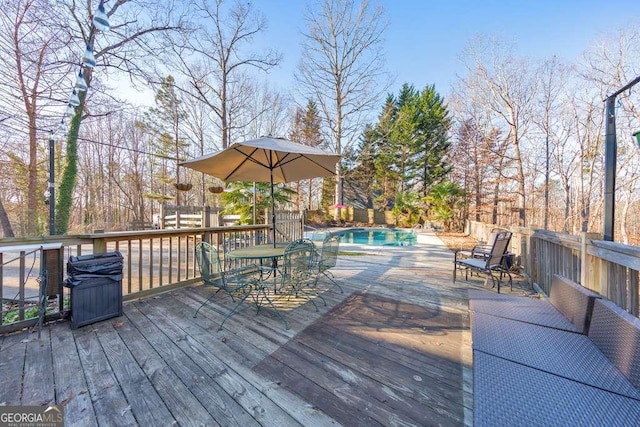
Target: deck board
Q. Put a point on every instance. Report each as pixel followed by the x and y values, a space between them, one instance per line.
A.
pixel 109 402
pixel 136 385
pixel 244 393
pixel 36 381
pixel 391 392
pixel 70 386
pixel 393 349
pixel 12 366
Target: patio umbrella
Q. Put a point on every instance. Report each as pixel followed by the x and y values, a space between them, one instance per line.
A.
pixel 267 159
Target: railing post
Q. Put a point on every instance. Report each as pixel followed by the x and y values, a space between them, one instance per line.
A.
pixel 206 217
pixel 54 265
pixel 99 245
pixel 533 258
pixel 586 279
pixel 583 259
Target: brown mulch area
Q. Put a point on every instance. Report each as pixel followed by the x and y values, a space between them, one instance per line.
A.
pixel 457 240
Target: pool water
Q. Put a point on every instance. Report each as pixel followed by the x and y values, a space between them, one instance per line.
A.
pixel 378 237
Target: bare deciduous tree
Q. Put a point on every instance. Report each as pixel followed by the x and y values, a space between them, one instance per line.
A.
pixel 30 78
pixel 508 87
pixel 606 67
pixel 127 48
pixel 552 79
pixel 342 68
pixel 219 76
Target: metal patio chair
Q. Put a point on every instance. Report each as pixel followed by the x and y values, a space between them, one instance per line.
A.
pixel 495 261
pixel 298 273
pixel 327 259
pixel 236 282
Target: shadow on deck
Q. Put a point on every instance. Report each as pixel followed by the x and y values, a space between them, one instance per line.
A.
pixel 394 349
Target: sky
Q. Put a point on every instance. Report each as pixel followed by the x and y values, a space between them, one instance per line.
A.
pixel 425 38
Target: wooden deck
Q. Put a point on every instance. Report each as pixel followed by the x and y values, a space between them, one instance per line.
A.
pixel 394 349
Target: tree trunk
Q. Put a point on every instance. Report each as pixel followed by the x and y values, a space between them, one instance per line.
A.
pixel 522 220
pixel 7 230
pixel 32 200
pixel 567 207
pixel 69 175
pixel 623 218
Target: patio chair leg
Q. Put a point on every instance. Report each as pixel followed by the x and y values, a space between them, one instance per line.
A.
pixel 331 277
pixel 494 279
pixel 235 308
pixel 275 310
pixel 298 290
pixel 206 301
pixel 306 295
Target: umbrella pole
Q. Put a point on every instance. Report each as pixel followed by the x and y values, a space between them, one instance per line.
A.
pixel 273 211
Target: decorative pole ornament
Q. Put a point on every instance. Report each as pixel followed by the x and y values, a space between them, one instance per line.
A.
pixel 81 83
pixel 100 19
pixel 88 59
pixel 74 100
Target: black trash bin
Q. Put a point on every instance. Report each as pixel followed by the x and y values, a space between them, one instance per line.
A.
pixel 96 287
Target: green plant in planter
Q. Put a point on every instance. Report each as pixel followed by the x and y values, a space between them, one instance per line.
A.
pixel 13 315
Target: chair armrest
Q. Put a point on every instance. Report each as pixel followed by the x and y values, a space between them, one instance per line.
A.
pixel 459 254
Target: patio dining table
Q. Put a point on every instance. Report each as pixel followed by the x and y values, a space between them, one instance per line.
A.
pixel 261 253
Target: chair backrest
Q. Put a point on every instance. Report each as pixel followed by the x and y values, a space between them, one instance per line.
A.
pixel 297 261
pixel 492 237
pixel 329 253
pixel 574 301
pixel 499 248
pixel 208 259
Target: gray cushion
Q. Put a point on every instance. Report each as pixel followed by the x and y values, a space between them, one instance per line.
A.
pixel 506 393
pixel 567 354
pixel 617 335
pixel 530 310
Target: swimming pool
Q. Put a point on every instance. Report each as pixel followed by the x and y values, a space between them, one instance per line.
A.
pixel 378 237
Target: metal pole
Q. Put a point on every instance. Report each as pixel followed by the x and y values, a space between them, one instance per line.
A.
pixel 610 154
pixel 52 199
pixel 273 211
pixel 273 200
pixel 254 203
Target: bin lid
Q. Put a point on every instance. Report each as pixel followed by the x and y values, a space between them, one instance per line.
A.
pixel 107 263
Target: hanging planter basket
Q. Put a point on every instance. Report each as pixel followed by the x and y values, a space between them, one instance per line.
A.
pixel 216 189
pixel 183 187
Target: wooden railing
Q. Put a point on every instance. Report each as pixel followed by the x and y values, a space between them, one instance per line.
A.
pixel 608 268
pixel 154 260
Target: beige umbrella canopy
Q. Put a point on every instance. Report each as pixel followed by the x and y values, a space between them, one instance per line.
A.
pixel 267 159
